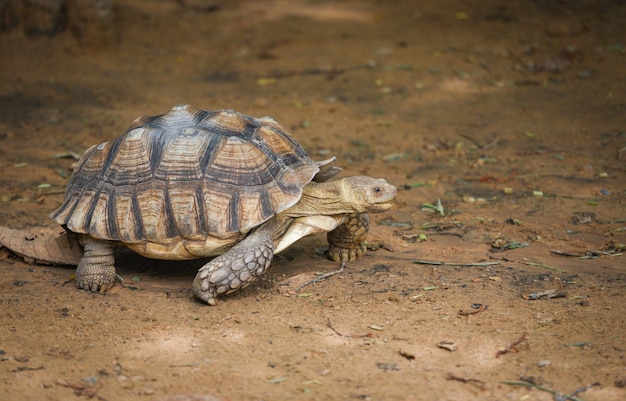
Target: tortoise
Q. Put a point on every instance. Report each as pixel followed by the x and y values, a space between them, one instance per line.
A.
pixel 193 184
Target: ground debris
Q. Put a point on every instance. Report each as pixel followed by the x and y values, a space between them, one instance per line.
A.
pixel 563 253
pixel 479 383
pixel 511 347
pixel 441 263
pixel 376 245
pixel 330 326
pixel 25 368
pixel 615 251
pixel 501 245
pixel 448 345
pixel 84 389
pixel 414 237
pixel 583 218
pixel 322 277
pixel 387 366
pixel 436 207
pixel 547 294
pixel 556 269
pixel 476 308
pixel 558 396
pixel 407 355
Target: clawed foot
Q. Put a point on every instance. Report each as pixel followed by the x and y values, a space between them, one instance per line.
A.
pixel 230 272
pixel 96 270
pixel 213 280
pixel 343 254
pixel 100 282
pixel 348 241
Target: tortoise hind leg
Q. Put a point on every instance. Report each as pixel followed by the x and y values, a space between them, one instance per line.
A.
pixel 96 270
pixel 237 268
pixel 348 241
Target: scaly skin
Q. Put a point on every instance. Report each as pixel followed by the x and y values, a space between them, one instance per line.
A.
pixel 96 270
pixel 237 268
pixel 348 241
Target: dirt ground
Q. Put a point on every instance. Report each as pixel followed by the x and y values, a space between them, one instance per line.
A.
pixel 508 114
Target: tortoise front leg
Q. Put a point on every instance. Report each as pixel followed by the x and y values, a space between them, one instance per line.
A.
pixel 348 241
pixel 237 268
pixel 96 270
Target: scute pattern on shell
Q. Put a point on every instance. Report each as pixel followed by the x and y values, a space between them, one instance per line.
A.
pixel 189 174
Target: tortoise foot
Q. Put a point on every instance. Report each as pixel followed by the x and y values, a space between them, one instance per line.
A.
pixel 347 242
pixel 235 269
pixel 96 270
pixel 344 254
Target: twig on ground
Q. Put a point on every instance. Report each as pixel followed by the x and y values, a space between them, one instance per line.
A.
pixel 544 266
pixel 562 253
pixel 439 263
pixel 558 396
pixel 81 389
pixel 322 277
pixel 511 347
pixel 477 382
pixel 547 294
pixel 481 308
pixel 330 326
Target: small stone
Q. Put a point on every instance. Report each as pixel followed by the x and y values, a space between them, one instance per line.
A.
pixel 448 345
pixel 90 380
pixel 543 363
pixel 387 366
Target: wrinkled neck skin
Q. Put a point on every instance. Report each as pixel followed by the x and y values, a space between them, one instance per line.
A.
pixel 326 198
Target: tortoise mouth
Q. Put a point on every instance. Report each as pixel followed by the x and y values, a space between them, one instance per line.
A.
pixel 382 206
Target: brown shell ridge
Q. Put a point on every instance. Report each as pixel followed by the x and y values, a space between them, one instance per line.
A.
pixel 186 174
pixel 234 212
pixel 170 222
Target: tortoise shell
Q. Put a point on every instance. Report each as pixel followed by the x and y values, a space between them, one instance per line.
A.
pixel 189 174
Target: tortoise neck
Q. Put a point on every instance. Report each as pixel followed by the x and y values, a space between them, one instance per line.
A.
pixel 326 198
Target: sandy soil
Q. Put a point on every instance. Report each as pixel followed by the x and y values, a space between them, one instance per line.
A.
pixel 508 113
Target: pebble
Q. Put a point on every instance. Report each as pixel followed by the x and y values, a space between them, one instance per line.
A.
pixel 543 363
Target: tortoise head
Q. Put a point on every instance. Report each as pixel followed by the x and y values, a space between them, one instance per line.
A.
pixel 369 195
